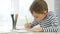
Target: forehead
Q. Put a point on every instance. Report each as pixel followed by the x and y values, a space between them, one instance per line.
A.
pixel 36 14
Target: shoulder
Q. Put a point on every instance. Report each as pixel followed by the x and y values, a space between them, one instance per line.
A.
pixel 51 13
pixel 51 16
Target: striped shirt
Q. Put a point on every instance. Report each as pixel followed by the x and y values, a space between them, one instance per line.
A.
pixel 48 24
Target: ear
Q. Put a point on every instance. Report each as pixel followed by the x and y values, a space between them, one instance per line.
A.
pixel 45 12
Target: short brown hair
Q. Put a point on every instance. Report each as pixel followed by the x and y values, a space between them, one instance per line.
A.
pixel 39 6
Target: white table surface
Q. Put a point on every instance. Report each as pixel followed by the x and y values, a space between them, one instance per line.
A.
pixel 12 32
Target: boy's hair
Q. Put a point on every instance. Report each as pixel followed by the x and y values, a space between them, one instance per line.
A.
pixel 39 6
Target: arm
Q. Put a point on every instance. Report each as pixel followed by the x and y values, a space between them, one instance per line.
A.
pixel 34 23
pixel 36 29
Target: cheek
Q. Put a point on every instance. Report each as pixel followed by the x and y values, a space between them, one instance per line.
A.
pixel 40 18
pixel 37 19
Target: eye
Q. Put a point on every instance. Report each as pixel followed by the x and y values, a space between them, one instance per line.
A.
pixel 36 16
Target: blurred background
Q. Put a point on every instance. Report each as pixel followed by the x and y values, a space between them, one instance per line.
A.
pixel 21 7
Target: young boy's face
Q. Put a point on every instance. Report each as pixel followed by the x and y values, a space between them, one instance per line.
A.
pixel 39 17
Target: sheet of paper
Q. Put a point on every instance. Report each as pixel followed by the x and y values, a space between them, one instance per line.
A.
pixel 20 30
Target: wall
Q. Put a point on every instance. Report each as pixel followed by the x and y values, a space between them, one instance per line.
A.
pixel 5 17
pixel 57 9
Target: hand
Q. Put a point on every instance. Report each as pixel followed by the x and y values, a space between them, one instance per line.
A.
pixel 37 29
pixel 27 26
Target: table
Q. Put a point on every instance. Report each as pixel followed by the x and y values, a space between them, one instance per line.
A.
pixel 30 33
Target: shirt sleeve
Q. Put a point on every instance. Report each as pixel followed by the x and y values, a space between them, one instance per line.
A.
pixel 34 23
pixel 54 27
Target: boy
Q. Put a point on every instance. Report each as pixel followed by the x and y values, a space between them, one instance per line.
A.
pixel 47 20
